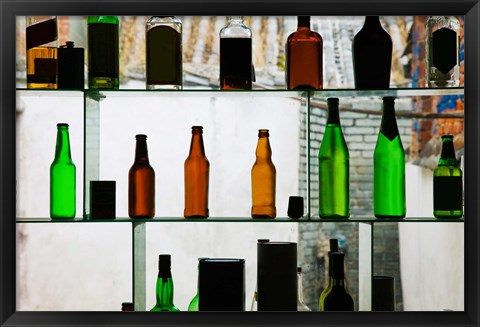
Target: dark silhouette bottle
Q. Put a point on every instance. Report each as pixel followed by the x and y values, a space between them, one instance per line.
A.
pixel 197 171
pixel 164 290
pixel 254 305
pixel 304 52
pixel 164 53
pixel 236 69
pixel 372 55
pixel 334 168
pixel 264 177
pixel 338 298
pixel 127 306
pixel 62 177
pixel 141 183
pixel 333 248
pixel 103 52
pixel 389 167
pixel 447 183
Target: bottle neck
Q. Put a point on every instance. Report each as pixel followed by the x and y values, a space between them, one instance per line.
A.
pixel 338 274
pixel 141 151
pixel 62 149
pixel 333 117
pixel 447 157
pixel 372 22
pixel 263 152
pixel 299 288
pixel 164 290
pixel 196 145
pixel 388 126
pixel 235 20
pixel 303 22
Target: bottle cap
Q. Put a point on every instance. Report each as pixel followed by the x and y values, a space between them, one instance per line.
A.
pixel 62 125
pixel 389 99
pixel 164 262
pixel 140 136
pixel 447 136
pixel 263 132
pixel 334 245
pixel 299 269
pixel 332 101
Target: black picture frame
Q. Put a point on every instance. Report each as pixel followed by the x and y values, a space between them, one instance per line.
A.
pixel 11 8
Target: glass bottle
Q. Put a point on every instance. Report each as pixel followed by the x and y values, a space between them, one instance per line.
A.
pixel 141 182
pixel 235 55
pixel 333 165
pixel 103 52
pixel 447 183
pixel 62 177
pixel 164 290
pixel 127 306
pixel 442 51
pixel 372 55
pixel 301 306
pixel 263 179
pixel 333 248
pixel 254 305
pixel 304 54
pixel 42 43
pixel 338 298
pixel 193 305
pixel 196 171
pixel 389 167
pixel 164 53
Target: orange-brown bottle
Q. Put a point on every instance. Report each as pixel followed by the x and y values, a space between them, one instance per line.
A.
pixel 141 183
pixel 264 177
pixel 304 52
pixel 197 171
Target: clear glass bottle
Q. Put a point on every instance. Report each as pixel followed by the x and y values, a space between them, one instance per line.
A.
pixel 333 248
pixel 338 298
pixel 236 68
pixel 197 174
pixel 141 182
pixel 42 44
pixel 334 168
pixel 62 177
pixel 389 199
pixel 447 183
pixel 164 65
pixel 304 57
pixel 164 289
pixel 301 306
pixel 442 51
pixel 103 52
pixel 264 177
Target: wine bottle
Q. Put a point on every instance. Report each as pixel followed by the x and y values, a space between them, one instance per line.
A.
pixel 447 183
pixel 389 167
pixel 333 248
pixel 338 298
pixel 164 290
pixel 333 166
pixel 301 306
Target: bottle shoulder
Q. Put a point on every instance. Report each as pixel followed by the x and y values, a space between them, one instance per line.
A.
pixel 305 35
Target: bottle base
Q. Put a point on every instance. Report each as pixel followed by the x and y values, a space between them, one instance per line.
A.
pixel 196 217
pixel 105 83
pixel 448 214
pixel 389 216
pixel 164 87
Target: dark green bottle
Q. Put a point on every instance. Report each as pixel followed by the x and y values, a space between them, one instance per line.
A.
pixel 164 286
pixel 447 183
pixel 333 248
pixel 338 298
pixel 62 177
pixel 333 166
pixel 389 167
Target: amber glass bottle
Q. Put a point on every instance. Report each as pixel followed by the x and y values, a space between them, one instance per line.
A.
pixel 263 179
pixel 304 51
pixel 141 183
pixel 197 171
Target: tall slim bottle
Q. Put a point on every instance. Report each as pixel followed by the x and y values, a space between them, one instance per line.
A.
pixel 164 290
pixel 141 183
pixel 372 55
pixel 304 52
pixel 333 165
pixel 389 167
pixel 62 177
pixel 442 51
pixel 164 53
pixel 301 306
pixel 193 305
pixel 254 305
pixel 264 177
pixel 103 52
pixel 236 69
pixel 42 43
pixel 447 183
pixel 333 248
pixel 196 171
pixel 338 298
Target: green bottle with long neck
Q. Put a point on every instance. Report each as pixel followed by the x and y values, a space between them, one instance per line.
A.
pixel 164 286
pixel 333 248
pixel 333 165
pixel 62 177
pixel 389 167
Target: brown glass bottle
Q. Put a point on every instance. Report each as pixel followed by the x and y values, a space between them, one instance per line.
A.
pixel 304 52
pixel 197 171
pixel 141 183
pixel 263 179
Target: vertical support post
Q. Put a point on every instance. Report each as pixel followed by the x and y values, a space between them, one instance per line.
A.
pixel 307 139
pixel 365 266
pixel 139 266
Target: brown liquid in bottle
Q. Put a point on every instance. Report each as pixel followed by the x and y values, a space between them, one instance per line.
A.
pixel 197 171
pixel 304 51
pixel 141 183
pixel 263 179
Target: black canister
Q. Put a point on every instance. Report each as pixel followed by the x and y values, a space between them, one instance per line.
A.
pixel 71 67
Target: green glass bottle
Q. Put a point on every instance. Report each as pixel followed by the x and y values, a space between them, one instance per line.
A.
pixel 333 248
pixel 164 285
pixel 62 177
pixel 193 305
pixel 333 166
pixel 338 298
pixel 447 183
pixel 103 52
pixel 389 167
